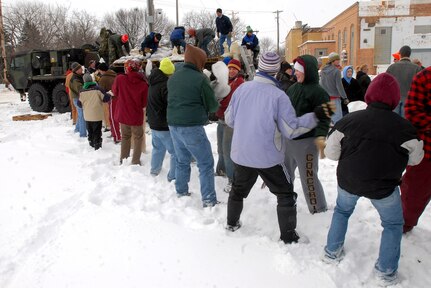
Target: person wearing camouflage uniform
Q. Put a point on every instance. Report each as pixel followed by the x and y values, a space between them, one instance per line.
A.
pixel 116 44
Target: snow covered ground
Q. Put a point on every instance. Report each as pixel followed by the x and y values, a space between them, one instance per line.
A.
pixel 73 217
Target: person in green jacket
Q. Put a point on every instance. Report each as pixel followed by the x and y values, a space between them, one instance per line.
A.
pixel 190 99
pixel 303 151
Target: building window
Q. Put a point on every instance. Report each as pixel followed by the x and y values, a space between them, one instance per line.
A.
pixel 320 52
pixel 344 36
pixel 422 29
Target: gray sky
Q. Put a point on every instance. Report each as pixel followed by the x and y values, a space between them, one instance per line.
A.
pixel 256 13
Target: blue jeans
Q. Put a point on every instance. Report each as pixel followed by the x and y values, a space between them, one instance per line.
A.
pixel 162 141
pixel 224 37
pixel 400 109
pixel 391 215
pixel 204 44
pixel 188 142
pixel 81 126
pixel 338 111
pixel 224 144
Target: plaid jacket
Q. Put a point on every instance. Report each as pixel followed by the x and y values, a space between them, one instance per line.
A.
pixel 418 107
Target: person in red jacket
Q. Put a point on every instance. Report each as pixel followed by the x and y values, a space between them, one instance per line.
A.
pixel 224 132
pixel 131 90
pixel 416 182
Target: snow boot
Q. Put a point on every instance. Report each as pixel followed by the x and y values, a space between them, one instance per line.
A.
pixel 234 209
pixel 233 228
pixel 287 224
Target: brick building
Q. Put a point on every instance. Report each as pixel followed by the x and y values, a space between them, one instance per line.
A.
pixel 368 32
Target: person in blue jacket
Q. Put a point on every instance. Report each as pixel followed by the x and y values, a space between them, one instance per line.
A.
pixel 151 43
pixel 251 41
pixel 177 38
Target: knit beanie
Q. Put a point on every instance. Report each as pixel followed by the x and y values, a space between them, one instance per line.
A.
pixel 132 65
pixel 248 29
pixel 75 66
pixel 103 67
pixel 234 64
pixel 333 56
pixel 384 89
pixel 87 77
pixel 166 66
pixel 269 62
pixel 196 56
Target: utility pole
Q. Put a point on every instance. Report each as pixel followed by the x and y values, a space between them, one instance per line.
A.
pixel 150 8
pixel 176 7
pixel 3 46
pixel 278 30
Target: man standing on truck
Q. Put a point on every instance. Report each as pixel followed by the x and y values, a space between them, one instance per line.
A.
pixel 118 47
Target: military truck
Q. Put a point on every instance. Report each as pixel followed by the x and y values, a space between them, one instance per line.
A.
pixel 42 73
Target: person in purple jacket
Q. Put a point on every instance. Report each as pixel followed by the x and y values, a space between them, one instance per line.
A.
pixel 262 114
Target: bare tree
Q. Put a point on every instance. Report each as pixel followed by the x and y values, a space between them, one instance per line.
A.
pixel 131 22
pixel 81 29
pixel 267 44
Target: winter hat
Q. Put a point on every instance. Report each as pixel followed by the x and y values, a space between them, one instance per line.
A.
pixel 345 73
pixel 384 89
pixel 248 29
pixel 158 36
pixel 226 60
pixel 87 77
pixel 397 56
pixel 132 65
pixel 234 64
pixel 196 56
pixel 75 66
pixel 167 67
pixel 191 32
pixel 284 66
pixel 103 67
pixel 269 62
pixel 333 56
pixel 124 38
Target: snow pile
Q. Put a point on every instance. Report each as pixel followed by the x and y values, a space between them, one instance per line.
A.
pixel 73 217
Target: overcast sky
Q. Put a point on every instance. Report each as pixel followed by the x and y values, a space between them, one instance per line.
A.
pixel 256 13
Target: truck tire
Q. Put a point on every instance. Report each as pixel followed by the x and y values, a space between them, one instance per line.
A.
pixel 60 98
pixel 39 98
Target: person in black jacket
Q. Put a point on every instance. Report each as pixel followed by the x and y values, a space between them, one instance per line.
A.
pixel 371 159
pixel 352 88
pixel 363 79
pixel 285 76
pixel 224 29
pixel 151 43
pixel 156 114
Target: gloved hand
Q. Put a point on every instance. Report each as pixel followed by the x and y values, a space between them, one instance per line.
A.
pixel 212 117
pixel 320 143
pixel 346 101
pixel 324 111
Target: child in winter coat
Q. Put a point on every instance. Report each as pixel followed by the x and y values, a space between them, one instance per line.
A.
pixel 371 159
pixel 91 99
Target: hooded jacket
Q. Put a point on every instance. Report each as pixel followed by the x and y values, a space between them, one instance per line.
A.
pixel 190 96
pixel 91 99
pixel 150 43
pixel 330 80
pixel 306 96
pixel 131 91
pixel 351 86
pixel 178 33
pixel 374 146
pixel 157 100
pixel 106 80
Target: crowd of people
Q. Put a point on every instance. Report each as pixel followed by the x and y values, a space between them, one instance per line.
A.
pixel 285 118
